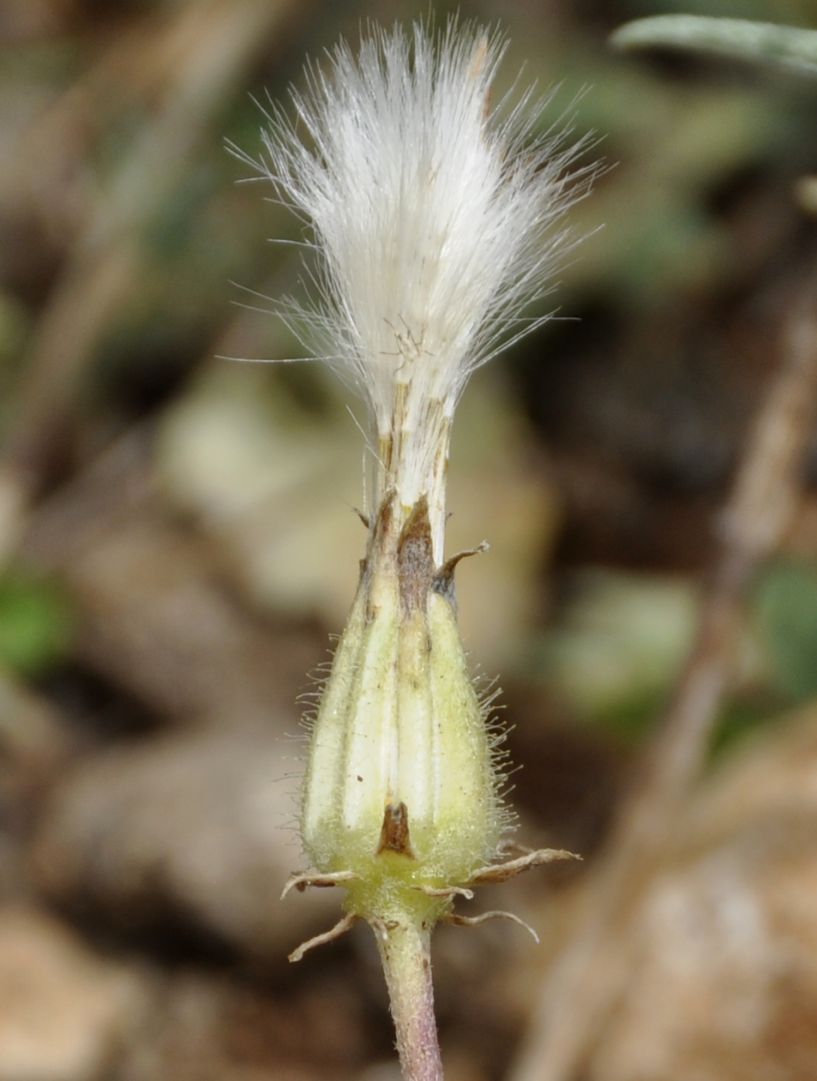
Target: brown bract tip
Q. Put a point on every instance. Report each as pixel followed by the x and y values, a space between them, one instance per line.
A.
pixel 415 560
pixel 394 836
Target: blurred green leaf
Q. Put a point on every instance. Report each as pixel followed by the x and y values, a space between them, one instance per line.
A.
pixel 35 624
pixel 786 606
pixel 789 47
pixel 618 646
pixel 741 716
pixel 673 145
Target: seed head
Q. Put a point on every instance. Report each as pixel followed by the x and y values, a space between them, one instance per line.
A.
pixel 436 217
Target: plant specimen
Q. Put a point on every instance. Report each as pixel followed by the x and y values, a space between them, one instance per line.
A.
pixel 435 218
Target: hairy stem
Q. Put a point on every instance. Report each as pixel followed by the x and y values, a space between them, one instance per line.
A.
pixel 406 956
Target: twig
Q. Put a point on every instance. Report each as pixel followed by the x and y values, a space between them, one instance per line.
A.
pixel 213 44
pixel 585 981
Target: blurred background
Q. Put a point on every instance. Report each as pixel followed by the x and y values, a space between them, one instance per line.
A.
pixel 178 543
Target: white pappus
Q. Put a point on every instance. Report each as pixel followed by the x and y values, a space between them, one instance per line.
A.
pixel 435 216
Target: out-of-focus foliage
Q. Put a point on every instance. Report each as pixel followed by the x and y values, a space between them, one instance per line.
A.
pixel 34 625
pixel 788 47
pixel 618 647
pixel 199 514
pixel 787 617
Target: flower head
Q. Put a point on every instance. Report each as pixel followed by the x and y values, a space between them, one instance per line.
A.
pixel 436 220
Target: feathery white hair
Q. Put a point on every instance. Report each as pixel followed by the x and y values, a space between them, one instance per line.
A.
pixel 436 219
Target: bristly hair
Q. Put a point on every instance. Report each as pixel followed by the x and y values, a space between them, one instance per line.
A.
pixel 435 218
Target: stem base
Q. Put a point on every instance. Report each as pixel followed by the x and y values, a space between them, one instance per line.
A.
pixel 406 956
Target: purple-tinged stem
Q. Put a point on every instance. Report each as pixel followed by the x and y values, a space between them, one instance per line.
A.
pixel 406 956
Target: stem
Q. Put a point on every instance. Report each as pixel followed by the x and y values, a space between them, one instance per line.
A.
pixel 585 982
pixel 406 956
